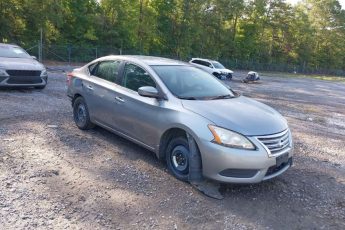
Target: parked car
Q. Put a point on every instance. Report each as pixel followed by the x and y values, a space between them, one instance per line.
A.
pixel 251 77
pixel 161 104
pixel 212 67
pixel 19 69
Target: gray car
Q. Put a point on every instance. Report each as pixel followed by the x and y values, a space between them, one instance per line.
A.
pixel 164 105
pixel 19 69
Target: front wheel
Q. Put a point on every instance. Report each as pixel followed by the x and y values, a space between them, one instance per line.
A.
pixel 177 158
pixel 229 76
pixel 217 75
pixel 81 114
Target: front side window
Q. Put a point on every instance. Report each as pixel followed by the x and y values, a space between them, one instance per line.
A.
pixel 135 77
pixel 107 70
pixel 217 65
pixel 187 82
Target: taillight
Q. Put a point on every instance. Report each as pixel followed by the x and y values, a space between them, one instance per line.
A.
pixel 69 79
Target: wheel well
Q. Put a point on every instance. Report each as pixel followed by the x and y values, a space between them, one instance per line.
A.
pixel 75 97
pixel 166 137
pixel 215 74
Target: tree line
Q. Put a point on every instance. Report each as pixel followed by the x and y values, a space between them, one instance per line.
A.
pixel 310 34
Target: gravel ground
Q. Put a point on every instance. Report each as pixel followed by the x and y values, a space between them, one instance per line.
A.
pixel 55 176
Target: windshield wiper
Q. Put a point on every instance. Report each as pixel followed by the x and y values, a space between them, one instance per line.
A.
pixel 187 98
pixel 227 96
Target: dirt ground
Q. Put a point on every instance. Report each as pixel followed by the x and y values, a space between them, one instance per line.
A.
pixel 55 176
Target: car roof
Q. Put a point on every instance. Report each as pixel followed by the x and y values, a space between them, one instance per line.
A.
pixel 10 45
pixel 148 60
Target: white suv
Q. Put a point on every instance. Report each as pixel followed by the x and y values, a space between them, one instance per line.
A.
pixel 212 67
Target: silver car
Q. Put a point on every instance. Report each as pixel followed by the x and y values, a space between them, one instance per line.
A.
pixel 164 105
pixel 19 69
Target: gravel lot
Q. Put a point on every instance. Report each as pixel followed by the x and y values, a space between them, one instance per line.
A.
pixel 55 176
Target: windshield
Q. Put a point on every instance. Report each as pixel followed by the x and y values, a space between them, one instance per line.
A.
pixel 13 52
pixel 217 65
pixel 187 82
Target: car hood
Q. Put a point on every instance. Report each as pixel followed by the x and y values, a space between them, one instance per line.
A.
pixel 241 114
pixel 20 64
pixel 225 71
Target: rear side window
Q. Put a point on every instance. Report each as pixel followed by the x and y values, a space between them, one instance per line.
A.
pixel 107 70
pixel 204 63
pixel 135 77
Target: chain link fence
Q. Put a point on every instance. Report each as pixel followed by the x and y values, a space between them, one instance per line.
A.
pixel 69 54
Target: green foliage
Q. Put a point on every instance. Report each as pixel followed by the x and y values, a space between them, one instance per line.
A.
pixel 310 34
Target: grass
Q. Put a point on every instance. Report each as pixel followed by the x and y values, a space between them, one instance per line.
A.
pixel 314 76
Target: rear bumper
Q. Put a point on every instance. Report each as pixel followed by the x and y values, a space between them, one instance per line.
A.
pixel 23 81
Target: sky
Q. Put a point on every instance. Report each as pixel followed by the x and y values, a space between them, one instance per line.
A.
pixel 342 2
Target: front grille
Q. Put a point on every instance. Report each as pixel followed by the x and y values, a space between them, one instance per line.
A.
pixel 274 169
pixel 2 78
pixel 239 173
pixel 24 80
pixel 23 73
pixel 276 143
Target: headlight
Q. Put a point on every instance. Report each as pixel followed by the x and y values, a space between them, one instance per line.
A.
pixel 3 73
pixel 230 138
pixel 44 73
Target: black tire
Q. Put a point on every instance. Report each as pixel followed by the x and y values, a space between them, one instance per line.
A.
pixel 217 75
pixel 81 114
pixel 229 76
pixel 178 157
pixel 40 87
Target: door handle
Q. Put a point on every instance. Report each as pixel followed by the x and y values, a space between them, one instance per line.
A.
pixel 89 87
pixel 120 99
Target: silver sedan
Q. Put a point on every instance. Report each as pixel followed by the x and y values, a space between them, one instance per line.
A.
pixel 184 115
pixel 19 69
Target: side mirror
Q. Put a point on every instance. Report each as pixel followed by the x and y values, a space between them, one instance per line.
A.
pixel 34 57
pixel 148 91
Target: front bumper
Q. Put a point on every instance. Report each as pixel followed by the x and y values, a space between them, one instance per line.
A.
pixel 23 81
pixel 231 165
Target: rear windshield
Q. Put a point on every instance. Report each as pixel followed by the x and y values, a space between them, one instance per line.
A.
pixel 13 52
pixel 187 82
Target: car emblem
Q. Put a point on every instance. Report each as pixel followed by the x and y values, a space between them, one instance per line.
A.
pixel 281 143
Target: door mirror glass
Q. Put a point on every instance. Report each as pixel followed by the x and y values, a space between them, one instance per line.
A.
pixel 148 91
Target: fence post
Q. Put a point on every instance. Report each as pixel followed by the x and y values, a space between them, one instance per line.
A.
pixel 96 52
pixel 39 51
pixel 69 50
pixel 40 45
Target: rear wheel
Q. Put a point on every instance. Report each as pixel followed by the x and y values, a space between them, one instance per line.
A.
pixel 177 158
pixel 81 114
